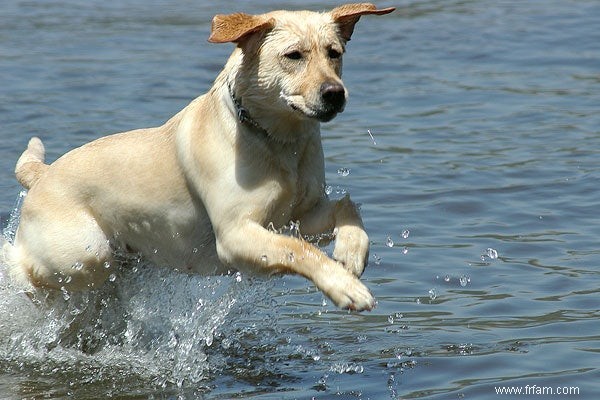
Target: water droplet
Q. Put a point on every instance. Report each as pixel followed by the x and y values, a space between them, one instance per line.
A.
pixel 432 294
pixel 238 277
pixel 78 266
pixel 390 319
pixel 372 138
pixel 316 357
pixel 405 250
pixel 195 250
pixel 343 171
pixel 376 259
pixel 405 234
pixel 328 190
pixel 340 190
pixel 65 293
pixel 271 228
pixel 491 253
pixel 418 301
pixel 324 303
pixel 209 339
pixel 107 265
pixel 447 278
pixel 389 242
pixel 323 379
pixel 112 277
pixel 264 258
pixel 464 280
pixel 68 279
pixel 293 229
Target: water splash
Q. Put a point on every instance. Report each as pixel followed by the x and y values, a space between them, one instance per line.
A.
pixel 433 294
pixel 291 229
pixel 156 324
pixel 389 242
pixel 147 326
pixel 464 280
pixel 343 171
pixel 13 222
pixel 335 190
pixel 490 253
pixel 347 368
pixel 376 259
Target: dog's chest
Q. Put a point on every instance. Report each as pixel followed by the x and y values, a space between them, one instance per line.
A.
pixel 300 184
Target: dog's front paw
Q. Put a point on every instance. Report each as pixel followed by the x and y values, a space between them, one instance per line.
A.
pixel 351 248
pixel 345 290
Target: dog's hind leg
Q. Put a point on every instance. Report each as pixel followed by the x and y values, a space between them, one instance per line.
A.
pixel 70 253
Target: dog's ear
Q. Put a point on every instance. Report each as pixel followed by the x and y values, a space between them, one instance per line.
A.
pixel 347 16
pixel 235 27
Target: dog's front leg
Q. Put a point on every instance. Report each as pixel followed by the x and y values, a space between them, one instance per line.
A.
pixel 254 247
pixel 351 241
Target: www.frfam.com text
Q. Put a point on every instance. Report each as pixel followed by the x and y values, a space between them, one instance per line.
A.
pixel 535 389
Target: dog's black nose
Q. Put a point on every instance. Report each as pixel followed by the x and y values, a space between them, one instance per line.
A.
pixel 333 95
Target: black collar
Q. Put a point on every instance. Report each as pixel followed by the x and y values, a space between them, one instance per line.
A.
pixel 243 115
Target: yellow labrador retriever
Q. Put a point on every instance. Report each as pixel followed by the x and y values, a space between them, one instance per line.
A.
pixel 200 192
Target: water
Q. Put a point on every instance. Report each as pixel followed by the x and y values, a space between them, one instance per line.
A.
pixel 472 125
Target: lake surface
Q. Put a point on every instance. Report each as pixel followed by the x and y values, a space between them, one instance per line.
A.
pixel 479 184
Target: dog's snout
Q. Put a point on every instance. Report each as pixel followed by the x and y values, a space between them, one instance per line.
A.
pixel 333 95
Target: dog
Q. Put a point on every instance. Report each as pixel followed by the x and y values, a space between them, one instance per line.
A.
pixel 200 192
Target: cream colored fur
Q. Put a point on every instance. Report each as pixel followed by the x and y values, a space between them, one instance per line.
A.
pixel 199 192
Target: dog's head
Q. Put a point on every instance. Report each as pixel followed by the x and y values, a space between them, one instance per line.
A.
pixel 292 60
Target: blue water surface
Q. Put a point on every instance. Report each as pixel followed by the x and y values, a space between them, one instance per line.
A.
pixel 471 140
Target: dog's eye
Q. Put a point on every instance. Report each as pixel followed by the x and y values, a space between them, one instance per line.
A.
pixel 334 54
pixel 294 55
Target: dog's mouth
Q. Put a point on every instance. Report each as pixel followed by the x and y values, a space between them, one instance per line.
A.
pixel 322 115
pixel 322 112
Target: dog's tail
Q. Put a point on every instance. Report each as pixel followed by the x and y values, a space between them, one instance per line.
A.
pixel 30 166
